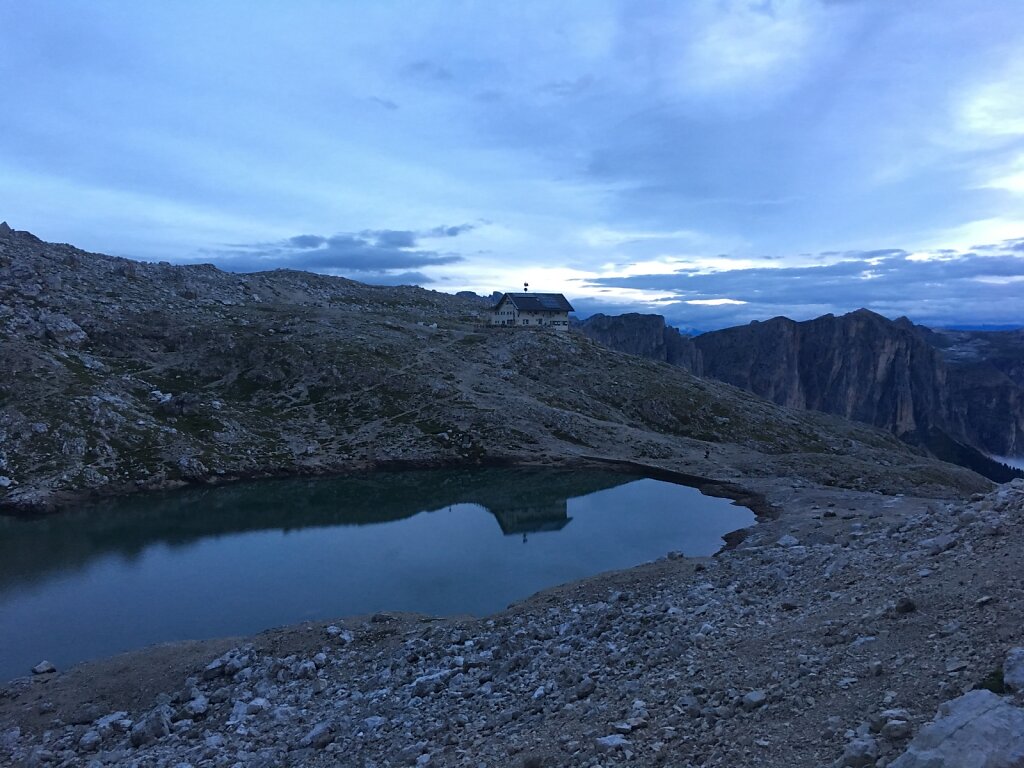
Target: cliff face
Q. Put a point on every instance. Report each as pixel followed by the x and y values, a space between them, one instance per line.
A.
pixel 644 335
pixel 957 393
pixel 986 385
pixel 860 366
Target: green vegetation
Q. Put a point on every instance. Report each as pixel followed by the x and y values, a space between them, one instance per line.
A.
pixel 994 681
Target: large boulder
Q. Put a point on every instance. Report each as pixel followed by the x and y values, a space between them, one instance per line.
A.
pixel 1013 670
pixel 152 727
pixel 62 329
pixel 976 730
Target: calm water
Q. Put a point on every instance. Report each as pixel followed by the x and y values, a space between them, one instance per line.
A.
pixel 242 558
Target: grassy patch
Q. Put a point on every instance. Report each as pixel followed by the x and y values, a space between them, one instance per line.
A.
pixel 430 427
pixel 568 437
pixel 196 423
pixel 78 369
pixel 994 681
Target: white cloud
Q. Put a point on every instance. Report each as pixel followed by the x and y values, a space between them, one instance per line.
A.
pixel 743 43
pixel 966 235
pixel 714 302
pixel 1008 177
pixel 608 237
pixel 996 108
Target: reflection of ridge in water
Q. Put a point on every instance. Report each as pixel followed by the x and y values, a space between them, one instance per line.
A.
pixel 325 548
pixel 534 518
pixel 522 501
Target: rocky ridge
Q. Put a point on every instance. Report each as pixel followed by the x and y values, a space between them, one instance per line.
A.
pixel 827 637
pixel 127 376
pixel 957 394
pixel 645 335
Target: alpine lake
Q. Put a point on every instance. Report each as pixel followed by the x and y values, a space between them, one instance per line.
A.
pixel 237 559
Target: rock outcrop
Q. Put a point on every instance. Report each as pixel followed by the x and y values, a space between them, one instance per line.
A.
pixel 644 335
pixel 960 395
pixel 976 730
pixel 986 385
pixel 860 366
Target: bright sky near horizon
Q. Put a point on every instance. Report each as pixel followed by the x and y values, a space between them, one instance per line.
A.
pixel 716 161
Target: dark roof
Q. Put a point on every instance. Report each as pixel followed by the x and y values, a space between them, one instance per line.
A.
pixel 546 517
pixel 538 302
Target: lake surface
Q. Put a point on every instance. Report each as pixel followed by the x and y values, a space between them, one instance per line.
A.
pixel 242 558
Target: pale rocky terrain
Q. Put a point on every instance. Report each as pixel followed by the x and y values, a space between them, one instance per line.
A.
pixel 878 585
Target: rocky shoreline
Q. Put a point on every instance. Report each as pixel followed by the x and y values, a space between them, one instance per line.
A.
pixel 827 636
pixel 62 501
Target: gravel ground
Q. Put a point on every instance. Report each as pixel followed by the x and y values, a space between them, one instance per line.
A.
pixel 828 636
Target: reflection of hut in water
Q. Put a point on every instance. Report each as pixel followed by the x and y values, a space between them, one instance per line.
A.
pixel 524 500
pixel 533 518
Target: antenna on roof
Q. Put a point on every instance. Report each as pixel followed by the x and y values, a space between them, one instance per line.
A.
pixel 526 287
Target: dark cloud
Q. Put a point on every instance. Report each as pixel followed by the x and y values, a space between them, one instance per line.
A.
pixel 490 96
pixel 307 241
pixel 428 70
pixel 370 255
pixel 392 238
pixel 567 88
pixel 387 104
pixel 880 253
pixel 1014 244
pixel 396 278
pixel 450 231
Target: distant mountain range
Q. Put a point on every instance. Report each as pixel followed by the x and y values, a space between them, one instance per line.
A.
pixel 957 393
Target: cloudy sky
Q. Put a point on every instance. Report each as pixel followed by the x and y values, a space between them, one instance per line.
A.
pixel 717 161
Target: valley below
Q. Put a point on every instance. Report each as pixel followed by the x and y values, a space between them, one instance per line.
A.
pixel 878 585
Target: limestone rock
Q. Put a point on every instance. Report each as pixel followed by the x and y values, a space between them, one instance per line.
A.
pixel 153 726
pixel 63 329
pixel 754 699
pixel 859 753
pixel 918 383
pixel 90 741
pixel 43 668
pixel 1013 670
pixel 976 730
pixel 319 736
pixel 612 742
pixel 645 335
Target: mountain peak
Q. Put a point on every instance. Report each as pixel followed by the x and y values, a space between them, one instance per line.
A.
pixel 865 312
